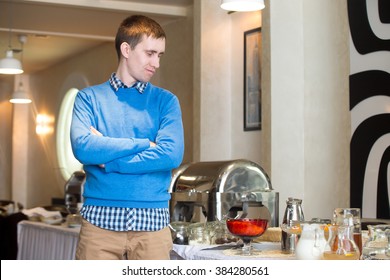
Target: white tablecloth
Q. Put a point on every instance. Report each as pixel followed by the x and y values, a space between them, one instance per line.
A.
pixel 266 251
pixel 40 241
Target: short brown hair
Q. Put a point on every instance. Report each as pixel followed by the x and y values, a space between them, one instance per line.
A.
pixel 132 30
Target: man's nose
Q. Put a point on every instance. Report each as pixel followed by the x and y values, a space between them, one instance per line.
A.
pixel 155 62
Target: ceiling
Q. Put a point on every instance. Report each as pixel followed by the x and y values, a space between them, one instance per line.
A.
pixel 59 29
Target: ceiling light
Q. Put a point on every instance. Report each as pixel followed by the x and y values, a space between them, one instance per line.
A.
pixel 10 65
pixel 242 5
pixel 20 96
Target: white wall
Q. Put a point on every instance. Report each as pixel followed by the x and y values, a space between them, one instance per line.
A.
pixel 218 94
pixel 245 144
pixel 212 92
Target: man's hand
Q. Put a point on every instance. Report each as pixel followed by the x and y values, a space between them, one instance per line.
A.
pixel 94 131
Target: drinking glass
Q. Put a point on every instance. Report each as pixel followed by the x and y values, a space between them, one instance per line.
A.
pixel 340 216
pixel 340 245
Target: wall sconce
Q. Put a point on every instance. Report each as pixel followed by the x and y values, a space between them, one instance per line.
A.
pixel 45 124
pixel 242 5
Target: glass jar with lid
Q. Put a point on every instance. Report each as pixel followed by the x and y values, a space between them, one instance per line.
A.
pixel 377 247
pixel 198 234
pixel 219 234
pixel 179 232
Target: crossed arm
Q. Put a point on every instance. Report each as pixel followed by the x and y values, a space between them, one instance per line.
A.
pixel 96 132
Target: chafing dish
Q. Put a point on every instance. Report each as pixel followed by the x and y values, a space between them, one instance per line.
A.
pixel 214 190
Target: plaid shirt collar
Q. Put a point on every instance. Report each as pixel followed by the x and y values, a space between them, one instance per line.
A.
pixel 116 83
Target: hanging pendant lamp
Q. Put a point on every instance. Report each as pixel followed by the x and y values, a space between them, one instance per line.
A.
pixel 242 5
pixel 20 96
pixel 10 65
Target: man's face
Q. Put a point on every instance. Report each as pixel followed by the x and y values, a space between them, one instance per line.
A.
pixel 144 60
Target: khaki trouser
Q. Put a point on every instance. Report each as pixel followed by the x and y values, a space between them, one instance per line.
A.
pixel 100 244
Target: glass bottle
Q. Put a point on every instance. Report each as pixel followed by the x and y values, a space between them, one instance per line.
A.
pixel 293 213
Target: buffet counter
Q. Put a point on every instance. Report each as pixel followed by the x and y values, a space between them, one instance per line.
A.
pixel 40 241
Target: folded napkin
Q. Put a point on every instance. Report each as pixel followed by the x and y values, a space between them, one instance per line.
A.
pixel 41 212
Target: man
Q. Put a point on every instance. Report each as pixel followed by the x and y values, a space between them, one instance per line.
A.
pixel 128 134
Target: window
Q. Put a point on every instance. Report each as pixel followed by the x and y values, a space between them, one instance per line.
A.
pixel 66 160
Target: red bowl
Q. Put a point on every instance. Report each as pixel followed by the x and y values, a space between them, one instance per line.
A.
pixel 247 227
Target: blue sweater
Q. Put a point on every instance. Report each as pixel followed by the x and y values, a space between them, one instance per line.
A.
pixel 135 174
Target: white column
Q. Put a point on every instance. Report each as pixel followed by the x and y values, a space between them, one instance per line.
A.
pixel 212 84
pixel 308 97
pixel 20 132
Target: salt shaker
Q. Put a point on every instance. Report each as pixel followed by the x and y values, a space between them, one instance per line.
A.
pixel 293 213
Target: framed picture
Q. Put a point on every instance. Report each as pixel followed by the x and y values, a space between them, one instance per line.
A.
pixel 252 79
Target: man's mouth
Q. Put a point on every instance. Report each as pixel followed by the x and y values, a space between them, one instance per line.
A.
pixel 150 71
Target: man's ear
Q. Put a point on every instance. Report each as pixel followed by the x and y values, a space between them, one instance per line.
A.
pixel 125 49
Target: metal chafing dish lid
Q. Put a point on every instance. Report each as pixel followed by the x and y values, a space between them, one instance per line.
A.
pixel 220 176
